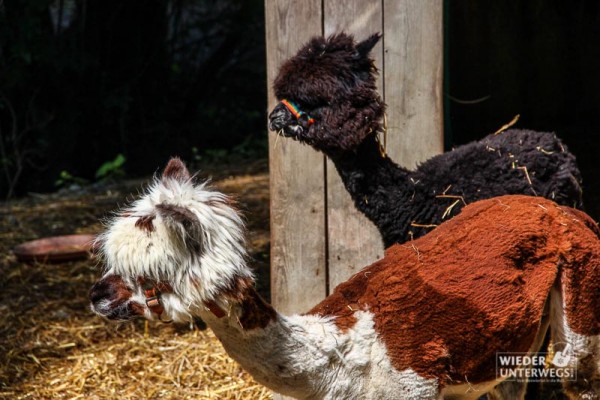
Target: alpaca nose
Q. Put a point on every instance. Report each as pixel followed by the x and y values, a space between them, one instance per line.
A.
pixel 100 291
pixel 110 298
pixel 280 117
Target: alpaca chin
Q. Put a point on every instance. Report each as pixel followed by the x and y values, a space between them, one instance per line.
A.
pixel 293 131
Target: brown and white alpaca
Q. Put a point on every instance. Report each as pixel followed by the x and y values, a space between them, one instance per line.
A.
pixel 425 322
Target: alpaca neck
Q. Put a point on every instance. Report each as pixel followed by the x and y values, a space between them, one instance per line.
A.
pixel 290 355
pixel 378 186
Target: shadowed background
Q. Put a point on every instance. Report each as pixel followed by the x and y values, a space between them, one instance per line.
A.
pixel 82 81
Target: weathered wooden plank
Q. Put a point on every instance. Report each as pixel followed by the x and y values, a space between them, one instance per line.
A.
pixel 297 183
pixel 298 264
pixel 353 241
pixel 413 66
pixel 305 191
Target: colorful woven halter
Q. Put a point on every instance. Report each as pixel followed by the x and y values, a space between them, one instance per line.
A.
pixel 296 111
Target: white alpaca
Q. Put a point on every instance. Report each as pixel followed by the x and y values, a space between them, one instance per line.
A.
pixel 425 322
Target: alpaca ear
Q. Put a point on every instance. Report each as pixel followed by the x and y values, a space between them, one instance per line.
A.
pixel 176 169
pixel 367 45
pixel 184 223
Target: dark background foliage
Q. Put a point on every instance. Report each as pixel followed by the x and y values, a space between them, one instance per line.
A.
pixel 84 80
pixel 536 58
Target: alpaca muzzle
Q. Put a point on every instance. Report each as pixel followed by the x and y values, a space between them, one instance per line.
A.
pixel 111 298
pixel 287 119
pixel 280 118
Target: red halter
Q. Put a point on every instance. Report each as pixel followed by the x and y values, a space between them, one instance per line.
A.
pixel 153 293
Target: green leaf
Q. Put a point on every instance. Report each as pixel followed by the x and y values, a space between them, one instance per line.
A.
pixel 111 168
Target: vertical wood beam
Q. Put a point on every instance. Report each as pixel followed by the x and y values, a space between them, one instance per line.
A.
pixel 353 241
pixel 298 238
pixel 413 79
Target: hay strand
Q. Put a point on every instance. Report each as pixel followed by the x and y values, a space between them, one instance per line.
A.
pixel 508 125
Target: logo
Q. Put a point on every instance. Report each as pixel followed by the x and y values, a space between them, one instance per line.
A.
pixel 561 358
pixel 558 364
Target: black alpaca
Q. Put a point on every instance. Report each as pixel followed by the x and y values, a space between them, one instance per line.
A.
pixel 329 100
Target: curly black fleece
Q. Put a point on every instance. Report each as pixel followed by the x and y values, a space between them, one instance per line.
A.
pixel 333 81
pixel 405 204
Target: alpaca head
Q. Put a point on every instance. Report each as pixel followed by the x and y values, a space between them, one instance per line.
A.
pixel 178 248
pixel 328 94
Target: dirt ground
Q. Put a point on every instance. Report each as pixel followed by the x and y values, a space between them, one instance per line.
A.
pixel 53 347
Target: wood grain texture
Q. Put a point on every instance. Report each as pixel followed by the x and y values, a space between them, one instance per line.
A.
pixel 305 249
pixel 298 240
pixel 413 65
pixel 316 232
pixel 353 241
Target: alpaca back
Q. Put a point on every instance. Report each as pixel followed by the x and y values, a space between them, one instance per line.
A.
pixel 482 278
pixel 513 162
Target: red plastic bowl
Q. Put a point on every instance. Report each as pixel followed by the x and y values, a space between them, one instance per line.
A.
pixel 56 248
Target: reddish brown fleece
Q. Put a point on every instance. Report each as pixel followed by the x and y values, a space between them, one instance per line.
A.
pixel 476 285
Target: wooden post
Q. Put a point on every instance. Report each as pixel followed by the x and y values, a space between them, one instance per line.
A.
pixel 318 238
pixel 297 184
pixel 413 66
pixel 353 241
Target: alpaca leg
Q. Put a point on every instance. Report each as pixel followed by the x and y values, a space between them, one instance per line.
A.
pixel 508 390
pixel 584 358
pixel 577 353
pixel 515 390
